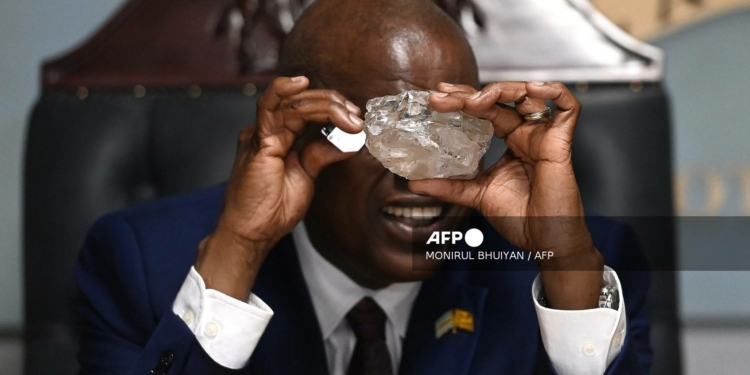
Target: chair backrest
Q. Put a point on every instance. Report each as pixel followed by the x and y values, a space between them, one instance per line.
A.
pixel 121 121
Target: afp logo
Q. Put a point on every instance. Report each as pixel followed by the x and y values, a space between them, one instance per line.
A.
pixel 473 237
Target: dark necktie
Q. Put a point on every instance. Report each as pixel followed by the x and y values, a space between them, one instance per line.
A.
pixel 371 356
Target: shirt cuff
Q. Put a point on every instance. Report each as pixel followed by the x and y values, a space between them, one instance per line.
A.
pixel 227 329
pixel 582 341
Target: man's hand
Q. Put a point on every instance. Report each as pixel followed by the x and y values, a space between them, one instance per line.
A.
pixel 530 195
pixel 271 184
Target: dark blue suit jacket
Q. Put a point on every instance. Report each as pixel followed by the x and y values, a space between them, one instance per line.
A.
pixel 134 262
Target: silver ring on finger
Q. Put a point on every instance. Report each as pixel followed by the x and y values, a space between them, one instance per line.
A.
pixel 538 115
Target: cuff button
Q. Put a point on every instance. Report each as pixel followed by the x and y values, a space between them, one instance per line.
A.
pixel 212 329
pixel 188 317
pixel 589 349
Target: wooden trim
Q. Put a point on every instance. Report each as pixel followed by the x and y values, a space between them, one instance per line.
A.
pixel 160 43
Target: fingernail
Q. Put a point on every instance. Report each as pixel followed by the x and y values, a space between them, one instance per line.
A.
pixel 537 83
pixel 351 107
pixel 356 120
pixel 440 94
pixel 446 84
pixel 297 78
pixel 475 95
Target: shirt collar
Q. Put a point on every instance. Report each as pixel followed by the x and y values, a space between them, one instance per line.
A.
pixel 334 294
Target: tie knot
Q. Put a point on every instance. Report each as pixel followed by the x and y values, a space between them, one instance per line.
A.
pixel 367 320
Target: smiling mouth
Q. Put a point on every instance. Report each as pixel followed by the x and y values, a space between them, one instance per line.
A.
pixel 414 222
pixel 414 216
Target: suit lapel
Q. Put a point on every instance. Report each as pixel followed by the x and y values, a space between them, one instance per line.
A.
pixel 293 342
pixel 452 353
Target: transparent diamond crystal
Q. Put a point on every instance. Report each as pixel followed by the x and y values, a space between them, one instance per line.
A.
pixel 416 142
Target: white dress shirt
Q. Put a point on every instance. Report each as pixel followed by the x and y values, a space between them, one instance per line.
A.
pixel 334 294
pixel 577 342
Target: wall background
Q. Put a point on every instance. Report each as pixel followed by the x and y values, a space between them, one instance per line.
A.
pixel 708 77
pixel 648 19
pixel 30 31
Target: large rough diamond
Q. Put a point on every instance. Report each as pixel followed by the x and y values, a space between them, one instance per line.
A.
pixel 414 141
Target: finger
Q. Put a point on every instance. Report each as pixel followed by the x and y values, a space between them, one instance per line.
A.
pixel 321 94
pixel 277 133
pixel 555 91
pixel 457 100
pixel 504 119
pixel 568 107
pixel 299 114
pixel 489 102
pixel 506 92
pixel 449 87
pixel 529 105
pixel 280 88
pixel 297 119
pixel 319 154
pixel 497 92
pixel 462 192
pixel 447 102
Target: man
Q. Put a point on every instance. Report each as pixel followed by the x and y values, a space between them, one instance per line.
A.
pixel 215 283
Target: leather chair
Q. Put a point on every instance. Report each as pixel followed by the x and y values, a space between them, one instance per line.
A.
pixel 152 105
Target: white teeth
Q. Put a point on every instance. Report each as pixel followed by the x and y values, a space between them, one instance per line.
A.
pixel 417 213
pixel 414 212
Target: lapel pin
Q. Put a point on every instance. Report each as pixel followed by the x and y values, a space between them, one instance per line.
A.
pixel 454 320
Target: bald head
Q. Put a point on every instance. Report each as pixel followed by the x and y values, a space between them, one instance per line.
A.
pixel 350 43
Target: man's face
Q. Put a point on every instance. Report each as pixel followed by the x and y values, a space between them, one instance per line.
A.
pixel 363 218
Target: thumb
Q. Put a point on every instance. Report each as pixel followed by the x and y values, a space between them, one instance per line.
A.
pixel 319 154
pixel 462 192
